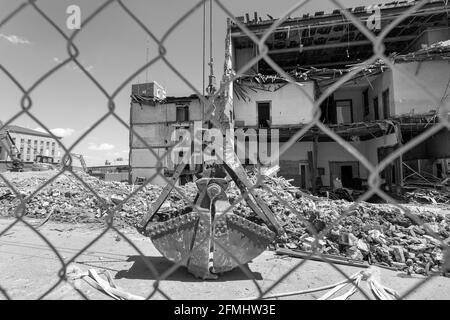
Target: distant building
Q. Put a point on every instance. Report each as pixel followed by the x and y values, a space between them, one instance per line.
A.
pixel 31 143
pixel 118 170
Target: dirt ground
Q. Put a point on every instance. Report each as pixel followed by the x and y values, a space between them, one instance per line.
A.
pixel 28 268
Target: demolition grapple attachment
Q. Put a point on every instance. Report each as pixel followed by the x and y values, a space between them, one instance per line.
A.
pixel 211 239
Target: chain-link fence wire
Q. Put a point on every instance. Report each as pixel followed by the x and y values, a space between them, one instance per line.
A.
pixel 26 105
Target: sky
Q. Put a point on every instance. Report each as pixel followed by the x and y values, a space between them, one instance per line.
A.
pixel 112 47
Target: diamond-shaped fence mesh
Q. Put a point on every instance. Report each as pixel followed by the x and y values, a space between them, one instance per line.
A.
pixel 261 184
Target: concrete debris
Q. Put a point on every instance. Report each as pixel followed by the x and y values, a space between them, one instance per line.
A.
pixel 69 200
pixel 376 233
pixel 433 196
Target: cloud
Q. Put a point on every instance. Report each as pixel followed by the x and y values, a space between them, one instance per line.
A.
pixel 73 66
pixel 101 147
pixel 63 132
pixel 59 132
pixel 14 39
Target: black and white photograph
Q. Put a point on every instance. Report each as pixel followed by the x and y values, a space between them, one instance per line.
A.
pixel 228 156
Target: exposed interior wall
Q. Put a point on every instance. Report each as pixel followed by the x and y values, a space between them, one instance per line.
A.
pixel 381 83
pixel 427 168
pixel 153 135
pixel 155 125
pixel 3 153
pixel 436 147
pixel 356 95
pixel 243 56
pixel 431 36
pixel 144 114
pixel 289 105
pixel 410 98
pixel 332 152
pixel 404 98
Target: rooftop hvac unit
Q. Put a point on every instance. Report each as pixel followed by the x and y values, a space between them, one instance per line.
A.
pixel 150 90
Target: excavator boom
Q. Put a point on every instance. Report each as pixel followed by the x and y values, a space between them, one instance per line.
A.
pixel 8 143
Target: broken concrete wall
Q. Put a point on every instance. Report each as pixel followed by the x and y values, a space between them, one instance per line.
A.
pixel 371 146
pixel 289 105
pixel 430 37
pixel 411 99
pixel 155 125
pixel 144 114
pixel 153 135
pixel 436 147
pixel 243 56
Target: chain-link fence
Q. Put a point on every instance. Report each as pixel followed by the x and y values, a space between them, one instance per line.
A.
pixel 26 108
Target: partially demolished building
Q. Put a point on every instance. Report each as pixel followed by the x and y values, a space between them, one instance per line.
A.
pixel 376 111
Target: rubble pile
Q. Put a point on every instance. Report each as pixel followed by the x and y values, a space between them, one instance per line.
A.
pixel 423 195
pixel 66 199
pixel 377 233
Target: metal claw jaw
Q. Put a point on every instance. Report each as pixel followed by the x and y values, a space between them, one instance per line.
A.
pixel 211 239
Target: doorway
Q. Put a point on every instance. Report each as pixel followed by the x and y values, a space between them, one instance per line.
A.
pixel 346 171
pixel 264 120
pixel 346 176
pixel 304 174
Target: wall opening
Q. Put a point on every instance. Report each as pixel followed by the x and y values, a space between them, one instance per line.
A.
pixel 386 106
pixel 376 109
pixel 183 114
pixel 346 171
pixel 264 120
pixel 366 102
pixel 328 110
pixel 344 111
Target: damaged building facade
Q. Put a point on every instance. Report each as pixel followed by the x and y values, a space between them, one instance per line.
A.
pixel 153 119
pixel 31 143
pixel 377 111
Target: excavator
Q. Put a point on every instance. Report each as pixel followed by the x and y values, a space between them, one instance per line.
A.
pixel 80 158
pixel 211 240
pixel 45 163
pixel 7 142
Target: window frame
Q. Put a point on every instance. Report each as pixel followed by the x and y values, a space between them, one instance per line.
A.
pixel 186 113
pixel 351 109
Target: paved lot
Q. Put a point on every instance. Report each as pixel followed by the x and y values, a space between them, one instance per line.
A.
pixel 29 268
